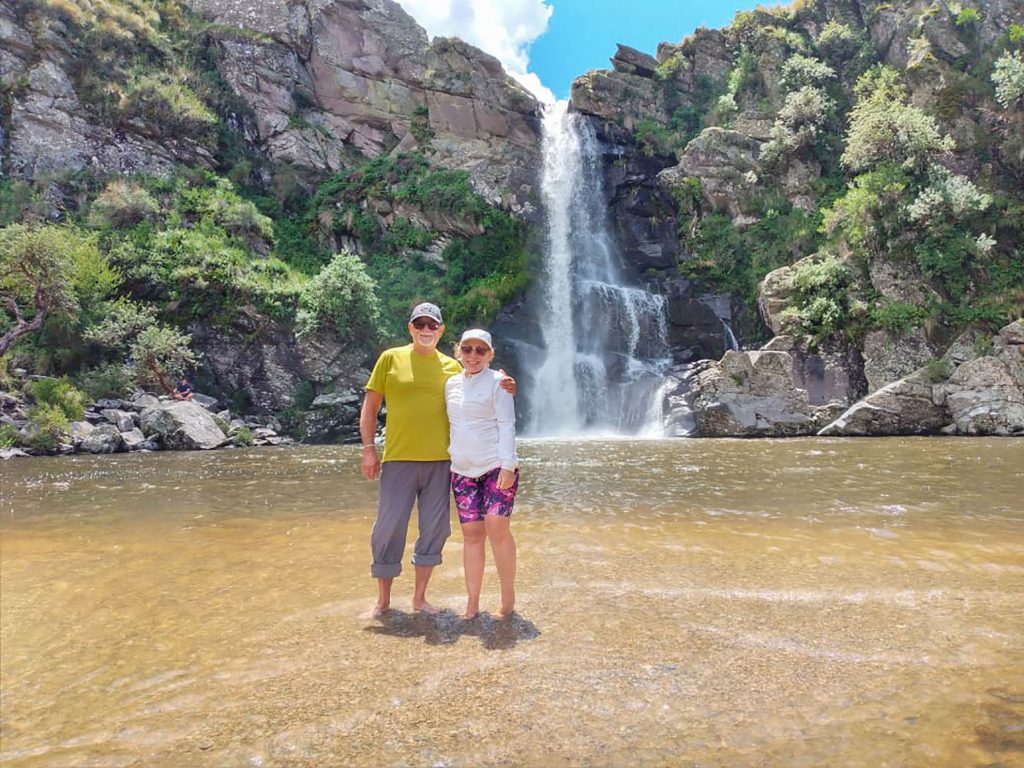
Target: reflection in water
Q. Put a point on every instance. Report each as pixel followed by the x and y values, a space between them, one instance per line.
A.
pixel 721 603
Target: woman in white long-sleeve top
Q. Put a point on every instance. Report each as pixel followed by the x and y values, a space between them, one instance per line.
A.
pixel 485 468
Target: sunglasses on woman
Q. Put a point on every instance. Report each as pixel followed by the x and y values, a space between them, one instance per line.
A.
pixel 470 348
pixel 421 322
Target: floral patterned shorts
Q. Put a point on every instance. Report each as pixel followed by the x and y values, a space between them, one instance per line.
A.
pixel 476 497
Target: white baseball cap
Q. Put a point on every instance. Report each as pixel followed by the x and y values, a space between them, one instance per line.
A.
pixel 478 334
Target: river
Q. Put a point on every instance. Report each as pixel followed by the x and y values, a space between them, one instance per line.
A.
pixel 804 602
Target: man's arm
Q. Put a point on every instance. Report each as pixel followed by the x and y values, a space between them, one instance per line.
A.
pixel 507 383
pixel 370 464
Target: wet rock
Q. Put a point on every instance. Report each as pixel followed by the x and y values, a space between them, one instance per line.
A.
pixel 11 453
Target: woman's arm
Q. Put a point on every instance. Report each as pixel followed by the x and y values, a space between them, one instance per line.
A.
pixel 505 416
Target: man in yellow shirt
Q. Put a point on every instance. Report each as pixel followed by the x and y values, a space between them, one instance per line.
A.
pixel 415 465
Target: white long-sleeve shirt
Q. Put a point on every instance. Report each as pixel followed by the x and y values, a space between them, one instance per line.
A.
pixel 483 423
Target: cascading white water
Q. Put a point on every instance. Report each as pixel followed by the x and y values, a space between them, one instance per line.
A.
pixel 604 341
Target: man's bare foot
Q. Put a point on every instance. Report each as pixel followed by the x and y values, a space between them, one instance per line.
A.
pixel 422 606
pixel 471 612
pixel 503 612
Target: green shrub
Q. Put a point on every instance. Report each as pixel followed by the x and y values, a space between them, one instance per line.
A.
pixel 47 427
pixel 1008 78
pixel 108 380
pixel 899 316
pixel 122 205
pixel 800 71
pixel 968 17
pixel 884 128
pixel 243 438
pixel 9 436
pixel 59 393
pixel 822 296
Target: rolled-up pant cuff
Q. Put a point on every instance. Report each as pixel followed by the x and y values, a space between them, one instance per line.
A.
pixel 385 570
pixel 418 559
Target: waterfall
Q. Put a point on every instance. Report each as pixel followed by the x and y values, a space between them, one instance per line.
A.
pixel 604 340
pixel 730 337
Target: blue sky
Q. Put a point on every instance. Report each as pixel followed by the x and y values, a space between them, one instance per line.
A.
pixel 546 43
pixel 582 34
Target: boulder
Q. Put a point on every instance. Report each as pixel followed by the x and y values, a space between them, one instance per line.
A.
pixel 133 439
pixel 831 373
pixel 904 407
pixel 212 404
pixel 143 400
pixel 123 420
pixel 334 416
pixel 749 394
pixel 182 425
pixel 80 430
pixel 721 159
pixel 985 395
pixel 891 355
pixel 105 438
pixel 775 295
pixel 633 62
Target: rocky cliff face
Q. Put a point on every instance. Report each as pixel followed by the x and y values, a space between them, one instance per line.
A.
pixel 326 82
pixel 47 129
pixel 326 79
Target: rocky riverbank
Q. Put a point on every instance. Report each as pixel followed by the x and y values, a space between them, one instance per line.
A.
pixel 975 388
pixel 144 422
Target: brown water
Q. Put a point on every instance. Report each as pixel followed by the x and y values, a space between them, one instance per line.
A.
pixel 707 603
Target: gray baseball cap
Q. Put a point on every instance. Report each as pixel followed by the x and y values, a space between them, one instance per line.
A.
pixel 426 309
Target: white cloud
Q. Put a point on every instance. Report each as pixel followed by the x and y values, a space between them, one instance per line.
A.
pixel 502 28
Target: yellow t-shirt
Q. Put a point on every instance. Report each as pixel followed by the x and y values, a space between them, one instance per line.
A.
pixel 413 387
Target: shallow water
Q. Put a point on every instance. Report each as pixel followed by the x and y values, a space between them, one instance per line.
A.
pixel 705 602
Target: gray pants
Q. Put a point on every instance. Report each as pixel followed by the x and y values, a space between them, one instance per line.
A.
pixel 401 484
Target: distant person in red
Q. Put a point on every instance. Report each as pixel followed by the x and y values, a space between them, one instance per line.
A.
pixel 184 390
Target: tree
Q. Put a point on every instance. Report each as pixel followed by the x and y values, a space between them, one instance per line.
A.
pixel 156 352
pixel 342 296
pixel 48 271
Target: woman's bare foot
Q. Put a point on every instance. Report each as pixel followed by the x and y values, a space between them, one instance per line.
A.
pixel 504 612
pixel 377 611
pixel 470 613
pixel 422 606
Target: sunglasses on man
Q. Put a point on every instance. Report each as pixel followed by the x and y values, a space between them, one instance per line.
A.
pixel 421 322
